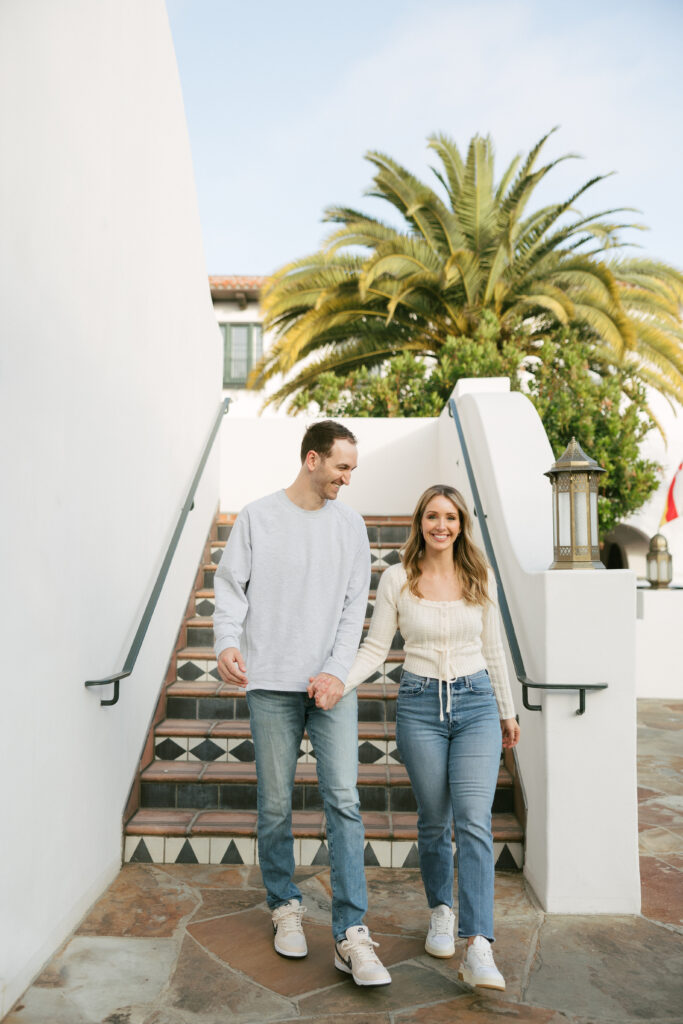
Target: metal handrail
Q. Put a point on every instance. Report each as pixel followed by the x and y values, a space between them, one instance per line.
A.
pixel 517 659
pixel 129 663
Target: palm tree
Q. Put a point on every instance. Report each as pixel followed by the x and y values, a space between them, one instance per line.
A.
pixel 374 290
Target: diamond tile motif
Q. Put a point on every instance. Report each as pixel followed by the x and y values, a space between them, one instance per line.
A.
pixel 208 750
pixel 171 748
pixel 204 608
pixel 240 750
pixel 392 671
pixel 189 670
pixel 391 556
pixel 372 752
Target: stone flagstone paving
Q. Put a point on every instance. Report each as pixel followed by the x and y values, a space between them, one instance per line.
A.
pixel 192 944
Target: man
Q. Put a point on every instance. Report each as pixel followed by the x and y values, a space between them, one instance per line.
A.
pixel 291 592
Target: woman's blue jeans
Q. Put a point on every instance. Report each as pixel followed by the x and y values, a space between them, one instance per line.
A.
pixel 278 721
pixel 453 767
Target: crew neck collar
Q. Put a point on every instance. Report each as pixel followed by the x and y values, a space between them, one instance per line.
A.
pixel 310 512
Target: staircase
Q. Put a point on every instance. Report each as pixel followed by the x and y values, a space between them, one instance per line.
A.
pixel 195 798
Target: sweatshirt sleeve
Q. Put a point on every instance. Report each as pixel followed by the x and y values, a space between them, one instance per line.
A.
pixel 494 653
pixel 350 628
pixel 383 626
pixel 230 584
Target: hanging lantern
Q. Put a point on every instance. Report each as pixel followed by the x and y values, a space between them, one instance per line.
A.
pixel 574 478
pixel 659 562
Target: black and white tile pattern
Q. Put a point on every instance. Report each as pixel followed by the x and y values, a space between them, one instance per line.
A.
pixel 387 853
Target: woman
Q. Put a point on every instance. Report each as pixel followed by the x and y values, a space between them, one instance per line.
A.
pixel 454 701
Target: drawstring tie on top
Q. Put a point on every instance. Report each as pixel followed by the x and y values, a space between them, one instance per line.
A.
pixel 444 659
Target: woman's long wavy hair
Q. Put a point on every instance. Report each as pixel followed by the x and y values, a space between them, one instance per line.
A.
pixel 468 559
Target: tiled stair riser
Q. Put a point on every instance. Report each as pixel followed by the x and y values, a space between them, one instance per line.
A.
pixel 207 816
pixel 219 790
pixel 237 849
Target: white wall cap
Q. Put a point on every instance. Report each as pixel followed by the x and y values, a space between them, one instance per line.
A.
pixel 470 385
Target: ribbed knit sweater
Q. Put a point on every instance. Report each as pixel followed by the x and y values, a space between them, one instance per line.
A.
pixel 442 639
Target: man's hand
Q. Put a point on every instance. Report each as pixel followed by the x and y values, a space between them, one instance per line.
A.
pixel 510 730
pixel 326 689
pixel 231 667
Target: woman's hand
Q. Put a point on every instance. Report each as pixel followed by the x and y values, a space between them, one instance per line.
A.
pixel 510 729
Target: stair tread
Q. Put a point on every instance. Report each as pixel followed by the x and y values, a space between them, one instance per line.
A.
pixel 215 688
pixel 208 654
pixel 378 824
pixel 245 772
pixel 235 727
pixel 206 622
pixel 210 594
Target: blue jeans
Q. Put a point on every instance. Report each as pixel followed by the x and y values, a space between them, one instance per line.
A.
pixel 278 720
pixel 453 767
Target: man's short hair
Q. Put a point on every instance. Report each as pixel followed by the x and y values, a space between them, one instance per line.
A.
pixel 320 438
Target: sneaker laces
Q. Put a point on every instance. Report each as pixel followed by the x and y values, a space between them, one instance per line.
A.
pixel 362 947
pixel 482 950
pixel 441 924
pixel 290 918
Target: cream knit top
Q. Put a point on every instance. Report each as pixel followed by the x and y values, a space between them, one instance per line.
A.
pixel 442 639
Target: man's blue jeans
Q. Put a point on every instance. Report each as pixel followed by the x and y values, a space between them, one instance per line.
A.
pixel 453 767
pixel 278 721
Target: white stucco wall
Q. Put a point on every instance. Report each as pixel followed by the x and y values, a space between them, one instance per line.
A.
pixel 397 460
pixel 579 772
pixel 109 381
pixel 659 618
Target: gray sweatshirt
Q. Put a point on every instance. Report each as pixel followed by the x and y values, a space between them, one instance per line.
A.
pixel 291 591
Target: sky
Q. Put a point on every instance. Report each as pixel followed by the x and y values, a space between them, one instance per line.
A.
pixel 283 99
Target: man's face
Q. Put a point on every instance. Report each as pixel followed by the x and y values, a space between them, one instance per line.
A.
pixel 328 475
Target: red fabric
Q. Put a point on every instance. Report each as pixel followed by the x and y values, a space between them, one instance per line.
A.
pixel 671 511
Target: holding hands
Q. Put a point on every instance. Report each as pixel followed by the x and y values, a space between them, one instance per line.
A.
pixel 326 689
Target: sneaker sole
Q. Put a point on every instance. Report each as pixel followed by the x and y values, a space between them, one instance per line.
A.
pixel 439 953
pixel 341 966
pixel 479 984
pixel 290 956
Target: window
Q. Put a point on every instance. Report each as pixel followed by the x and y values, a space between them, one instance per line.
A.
pixel 242 349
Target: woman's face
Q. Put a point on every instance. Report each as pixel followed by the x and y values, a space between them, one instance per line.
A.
pixel 440 524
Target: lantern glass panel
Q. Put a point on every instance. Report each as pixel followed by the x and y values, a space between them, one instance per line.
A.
pixel 580 519
pixel 652 569
pixel 564 519
pixel 593 498
pixel 663 568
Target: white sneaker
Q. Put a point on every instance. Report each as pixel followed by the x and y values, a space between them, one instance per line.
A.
pixel 289 939
pixel 439 941
pixel 478 967
pixel 355 955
